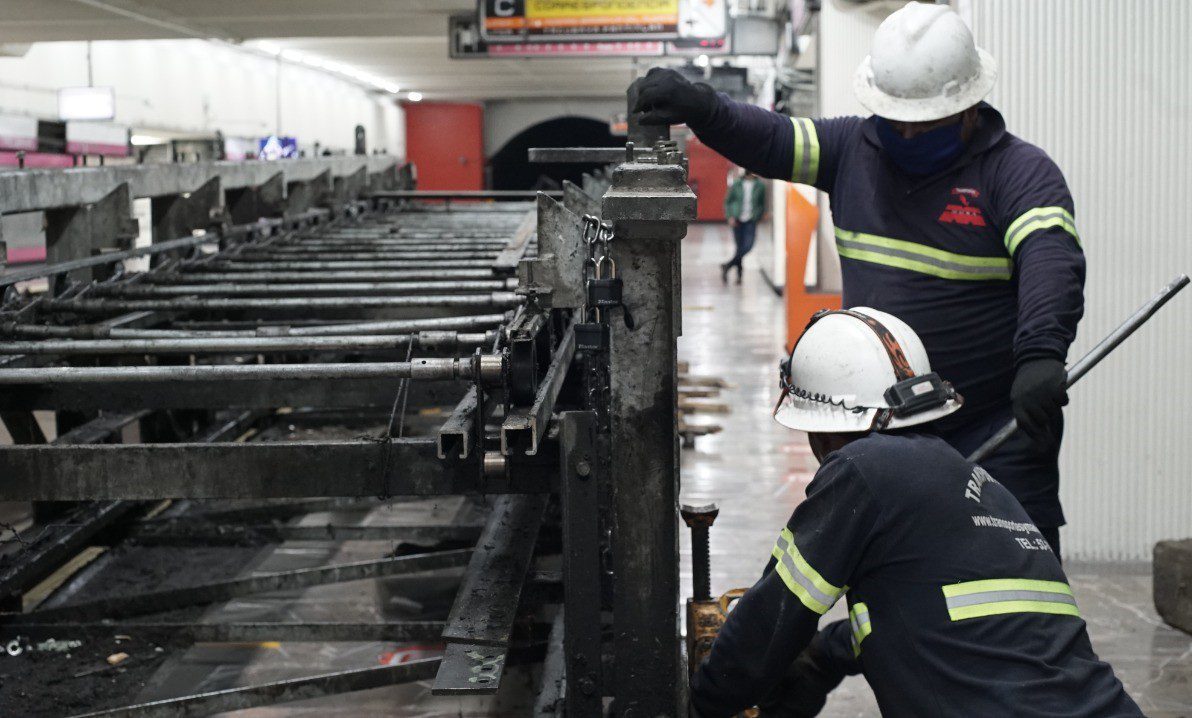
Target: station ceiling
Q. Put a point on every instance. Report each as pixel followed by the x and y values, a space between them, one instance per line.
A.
pixel 401 40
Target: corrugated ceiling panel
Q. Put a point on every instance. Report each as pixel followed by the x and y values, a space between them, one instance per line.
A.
pixel 1105 87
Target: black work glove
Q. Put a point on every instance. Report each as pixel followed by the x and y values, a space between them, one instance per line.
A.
pixel 1039 391
pixel 804 689
pixel 664 97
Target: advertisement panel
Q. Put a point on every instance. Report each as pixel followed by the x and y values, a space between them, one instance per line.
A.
pixel 561 20
pixel 277 148
pixel 467 43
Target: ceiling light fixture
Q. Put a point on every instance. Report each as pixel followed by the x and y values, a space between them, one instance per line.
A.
pixel 414 96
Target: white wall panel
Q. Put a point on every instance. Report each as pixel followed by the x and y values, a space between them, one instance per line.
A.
pixel 1104 86
pixel 200 87
pixel 845 34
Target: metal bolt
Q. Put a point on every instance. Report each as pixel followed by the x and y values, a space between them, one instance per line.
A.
pixel 494 464
pixel 699 519
pixel 583 468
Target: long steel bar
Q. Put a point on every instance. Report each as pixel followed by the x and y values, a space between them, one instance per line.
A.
pixel 94 306
pixel 254 470
pixel 404 244
pixel 236 345
pixel 483 194
pixel 446 255
pixel 228 264
pixel 207 593
pixel 387 326
pixel 293 689
pixel 486 604
pixel 422 369
pixel 239 632
pixel 304 289
pixel 1092 358
pixel 197 277
pixel 200 530
pixel 208 394
pixel 172 245
pixel 59 541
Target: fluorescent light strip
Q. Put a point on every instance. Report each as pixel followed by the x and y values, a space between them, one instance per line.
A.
pixel 333 67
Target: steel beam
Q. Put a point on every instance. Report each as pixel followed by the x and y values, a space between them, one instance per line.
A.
pixel 423 369
pixel 262 393
pixel 455 437
pixel 265 694
pixel 244 345
pixel 203 531
pixel 236 632
pixel 260 470
pixel 494 300
pixel 649 205
pixel 208 593
pixel 579 472
pixel 486 604
pixel 531 423
pixel 470 670
pixel 31 190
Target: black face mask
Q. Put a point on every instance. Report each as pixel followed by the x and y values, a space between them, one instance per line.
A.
pixel 923 154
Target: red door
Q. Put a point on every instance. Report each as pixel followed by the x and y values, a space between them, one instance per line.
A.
pixel 445 141
pixel 708 176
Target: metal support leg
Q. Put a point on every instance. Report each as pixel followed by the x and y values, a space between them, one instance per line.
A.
pixel 649 205
pixel 581 564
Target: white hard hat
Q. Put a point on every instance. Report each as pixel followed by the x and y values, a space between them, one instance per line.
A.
pixel 860 370
pixel 923 66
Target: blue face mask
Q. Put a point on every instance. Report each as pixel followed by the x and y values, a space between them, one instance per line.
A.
pixel 922 154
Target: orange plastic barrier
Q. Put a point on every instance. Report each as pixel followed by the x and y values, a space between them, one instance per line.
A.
pixel 802 217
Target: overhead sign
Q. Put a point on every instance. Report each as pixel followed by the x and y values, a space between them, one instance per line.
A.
pixel 556 20
pixel 467 42
pixel 703 19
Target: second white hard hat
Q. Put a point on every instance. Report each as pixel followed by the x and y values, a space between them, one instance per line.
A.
pixel 923 66
pixel 860 370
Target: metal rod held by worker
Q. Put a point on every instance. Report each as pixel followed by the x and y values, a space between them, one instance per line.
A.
pixel 1090 360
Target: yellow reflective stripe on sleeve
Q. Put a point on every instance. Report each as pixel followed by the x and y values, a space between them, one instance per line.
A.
pixel 999 596
pixel 805 165
pixel 920 258
pixel 1036 219
pixel 804 581
pixel 858 618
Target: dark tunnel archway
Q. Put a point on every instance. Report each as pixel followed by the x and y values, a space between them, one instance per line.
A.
pixel 510 167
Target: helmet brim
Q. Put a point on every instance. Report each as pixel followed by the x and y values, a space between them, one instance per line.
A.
pixel 926 109
pixel 817 416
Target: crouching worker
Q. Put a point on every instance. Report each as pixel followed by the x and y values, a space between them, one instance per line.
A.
pixel 957 606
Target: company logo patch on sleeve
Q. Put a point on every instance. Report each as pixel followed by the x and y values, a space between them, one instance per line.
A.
pixel 961 210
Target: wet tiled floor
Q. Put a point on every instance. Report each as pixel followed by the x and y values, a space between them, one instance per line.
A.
pixel 757 472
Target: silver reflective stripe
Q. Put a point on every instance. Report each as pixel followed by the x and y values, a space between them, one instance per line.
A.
pixel 805 144
pixel 973 599
pixel 1020 233
pixel 968 269
pixel 797 575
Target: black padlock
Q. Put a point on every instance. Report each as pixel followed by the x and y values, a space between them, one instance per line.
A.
pixel 605 292
pixel 592 336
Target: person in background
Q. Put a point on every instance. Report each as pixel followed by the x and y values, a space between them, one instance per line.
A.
pixel 744 206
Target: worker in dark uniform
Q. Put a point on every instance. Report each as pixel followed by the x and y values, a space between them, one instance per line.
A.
pixel 943 218
pixel 957 607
